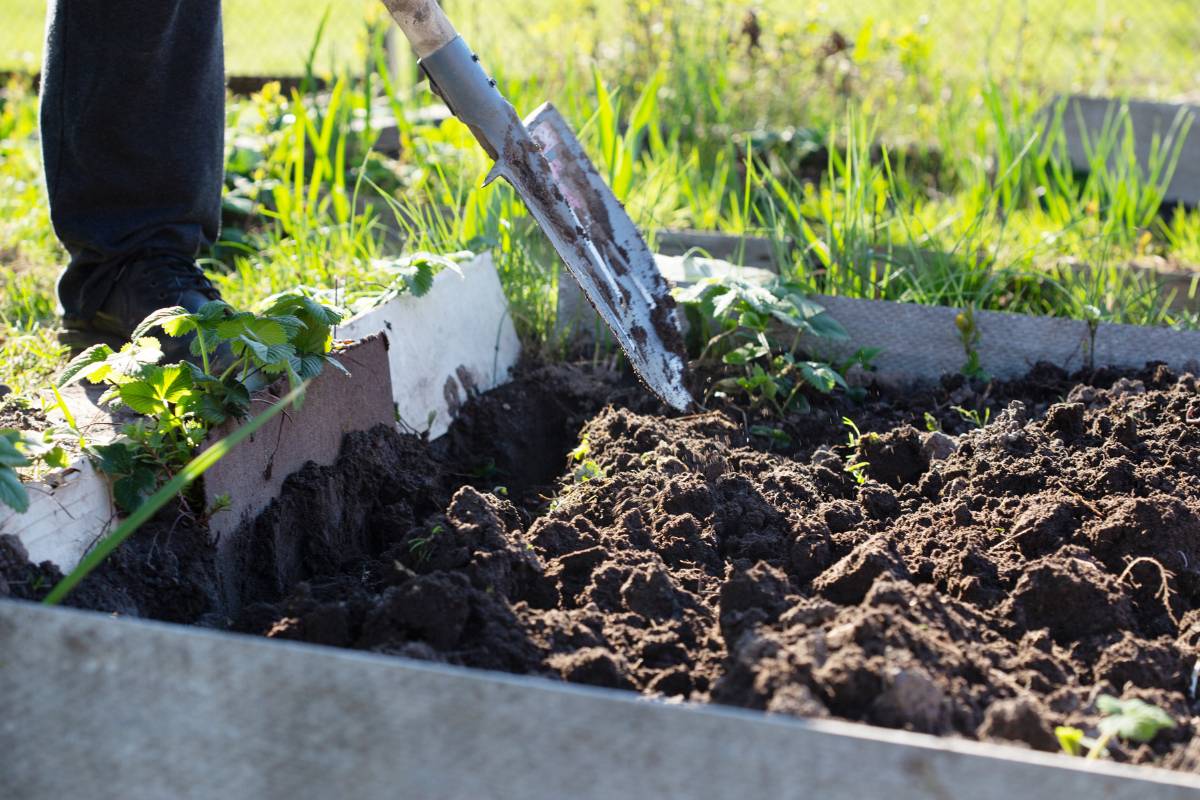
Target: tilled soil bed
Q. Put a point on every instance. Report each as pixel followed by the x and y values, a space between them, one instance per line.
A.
pixel 989 584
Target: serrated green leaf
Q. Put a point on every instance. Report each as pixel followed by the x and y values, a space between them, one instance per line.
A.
pixel 12 492
pixel 211 409
pixel 56 458
pixel 131 491
pixel 114 459
pixel 175 320
pixel 172 383
pixel 694 294
pixel 133 356
pixel 333 362
pixel 213 310
pixel 267 331
pixel 85 365
pixel 723 302
pixel 233 325
pixel 827 327
pixel 141 397
pixel 308 365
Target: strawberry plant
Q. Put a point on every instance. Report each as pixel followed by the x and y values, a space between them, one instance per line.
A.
pixel 179 403
pixel 741 324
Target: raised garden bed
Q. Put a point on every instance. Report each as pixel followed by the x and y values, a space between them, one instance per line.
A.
pixel 987 585
pixel 983 584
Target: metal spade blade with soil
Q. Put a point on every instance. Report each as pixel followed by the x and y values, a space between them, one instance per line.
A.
pixel 588 227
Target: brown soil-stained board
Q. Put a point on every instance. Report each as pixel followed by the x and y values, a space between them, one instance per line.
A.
pixel 986 583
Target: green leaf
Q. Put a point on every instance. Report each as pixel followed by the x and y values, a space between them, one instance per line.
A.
pixel 1132 719
pixel 695 293
pixel 774 434
pixel 12 492
pixel 56 457
pixel 213 311
pixel 723 303
pixel 91 363
pixel 10 455
pixel 268 331
pixel 745 354
pixel 821 376
pixel 827 327
pixel 175 321
pixel 114 459
pixel 133 356
pixel 1069 739
pixel 308 365
pixel 131 491
pixel 142 398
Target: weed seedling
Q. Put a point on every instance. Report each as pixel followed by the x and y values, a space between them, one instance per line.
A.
pixel 973 416
pixel 856 468
pixel 586 468
pixel 1133 720
pixel 419 547
pixel 969 336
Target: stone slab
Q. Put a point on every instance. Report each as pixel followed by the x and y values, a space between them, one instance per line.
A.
pixel 1148 119
pixel 751 251
pixel 921 343
pixel 108 708
pixel 456 341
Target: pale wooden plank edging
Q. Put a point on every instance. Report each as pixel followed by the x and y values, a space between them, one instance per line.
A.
pixel 113 708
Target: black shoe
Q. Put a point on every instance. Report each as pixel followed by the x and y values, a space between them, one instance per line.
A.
pixel 138 288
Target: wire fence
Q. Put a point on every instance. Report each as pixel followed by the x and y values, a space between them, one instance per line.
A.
pixel 1139 47
pixel 262 37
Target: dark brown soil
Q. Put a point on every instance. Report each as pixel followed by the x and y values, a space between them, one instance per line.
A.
pixel 986 583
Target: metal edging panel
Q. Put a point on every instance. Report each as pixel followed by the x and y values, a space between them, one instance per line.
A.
pixel 103 708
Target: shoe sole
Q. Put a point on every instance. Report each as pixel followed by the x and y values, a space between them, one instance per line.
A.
pixel 78 341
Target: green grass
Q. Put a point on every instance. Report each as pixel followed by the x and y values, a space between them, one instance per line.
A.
pixel 692 129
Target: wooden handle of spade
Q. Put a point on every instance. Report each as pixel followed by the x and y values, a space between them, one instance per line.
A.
pixel 424 24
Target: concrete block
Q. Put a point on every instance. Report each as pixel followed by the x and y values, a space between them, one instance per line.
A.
pixel 115 708
pixel 453 343
pixel 750 251
pixel 1149 119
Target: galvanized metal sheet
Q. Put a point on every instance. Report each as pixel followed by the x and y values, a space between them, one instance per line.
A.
pixel 102 708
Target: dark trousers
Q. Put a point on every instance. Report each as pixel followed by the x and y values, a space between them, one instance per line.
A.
pixel 132 123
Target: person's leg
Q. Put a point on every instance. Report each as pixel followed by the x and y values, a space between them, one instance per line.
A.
pixel 132 122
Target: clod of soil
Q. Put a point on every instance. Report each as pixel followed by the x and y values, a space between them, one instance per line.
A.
pixel 988 584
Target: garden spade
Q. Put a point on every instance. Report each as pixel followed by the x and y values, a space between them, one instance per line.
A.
pixel 585 222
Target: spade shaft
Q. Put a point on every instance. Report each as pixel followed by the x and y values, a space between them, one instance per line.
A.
pixel 564 193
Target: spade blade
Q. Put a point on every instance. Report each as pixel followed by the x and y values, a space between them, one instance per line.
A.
pixel 588 227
